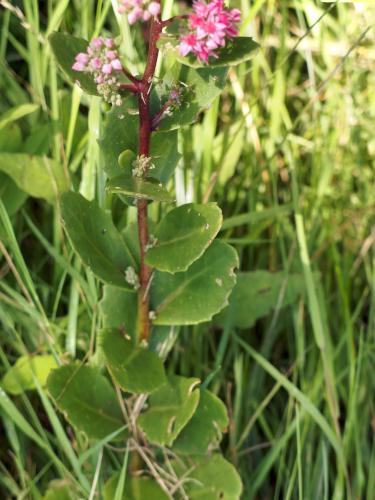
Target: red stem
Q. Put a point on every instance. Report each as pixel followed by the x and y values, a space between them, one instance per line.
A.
pixel 145 130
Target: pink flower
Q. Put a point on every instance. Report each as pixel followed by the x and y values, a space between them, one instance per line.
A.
pixel 116 65
pixel 96 63
pixel 154 8
pixel 139 10
pixel 101 60
pixel 135 15
pixel 209 27
pixel 107 69
pixel 109 43
pixel 78 66
pixel 96 43
pixel 82 57
pixel 111 54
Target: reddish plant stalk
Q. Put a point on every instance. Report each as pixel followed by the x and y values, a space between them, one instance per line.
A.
pixel 145 130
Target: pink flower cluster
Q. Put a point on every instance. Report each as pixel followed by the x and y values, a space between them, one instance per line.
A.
pixel 102 61
pixel 139 9
pixel 210 25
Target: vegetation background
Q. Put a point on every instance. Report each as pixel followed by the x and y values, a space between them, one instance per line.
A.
pixel 288 153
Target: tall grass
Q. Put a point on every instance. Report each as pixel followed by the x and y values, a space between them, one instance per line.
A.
pixel 288 153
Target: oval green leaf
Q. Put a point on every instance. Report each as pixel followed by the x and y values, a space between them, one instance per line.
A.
pixel 21 376
pixel 87 400
pixel 38 176
pixel 170 409
pixel 60 489
pixel 136 488
pixel 119 309
pixel 214 479
pixel 143 189
pixel 135 369
pixel 204 431
pixel 257 293
pixel 96 239
pixel 200 292
pixel 183 235
pixel 65 48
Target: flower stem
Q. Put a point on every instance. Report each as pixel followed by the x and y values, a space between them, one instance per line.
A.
pixel 145 131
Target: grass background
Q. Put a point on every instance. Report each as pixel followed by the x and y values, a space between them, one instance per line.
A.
pixel 288 153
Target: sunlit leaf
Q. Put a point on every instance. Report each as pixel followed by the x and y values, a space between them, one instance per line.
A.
pixel 183 236
pixel 22 374
pixel 195 295
pixel 38 176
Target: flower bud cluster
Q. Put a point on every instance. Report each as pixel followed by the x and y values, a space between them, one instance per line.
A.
pixel 141 165
pixel 209 27
pixel 102 61
pixel 139 10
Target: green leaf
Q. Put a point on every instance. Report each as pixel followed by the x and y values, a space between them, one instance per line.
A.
pixel 204 431
pixel 136 488
pixel 38 176
pixel 200 292
pixel 11 195
pixel 170 409
pixel 21 375
pixel 257 293
pixel 87 399
pixel 11 140
pixel 135 369
pixel 236 51
pixel 16 113
pixel 59 489
pixel 96 239
pixel 121 133
pixel 201 87
pixel 119 309
pixel 65 48
pixel 146 189
pixel 214 478
pixel 183 236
